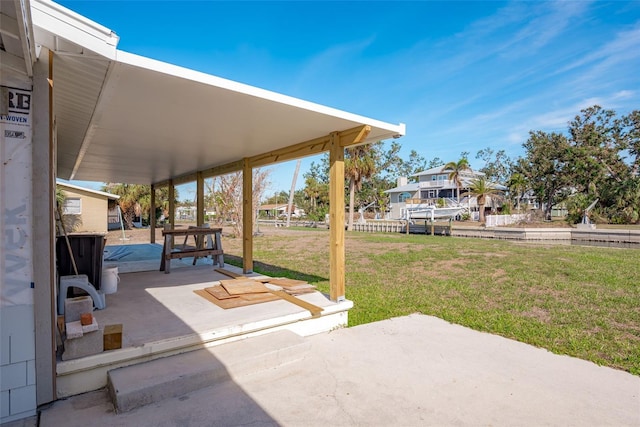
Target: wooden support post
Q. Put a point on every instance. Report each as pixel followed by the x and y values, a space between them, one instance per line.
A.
pixel 247 217
pixel 336 215
pixel 433 227
pixel 199 199
pixel 172 208
pixel 43 228
pixel 152 215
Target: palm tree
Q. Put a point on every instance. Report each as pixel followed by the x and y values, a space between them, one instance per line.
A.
pixel 129 201
pixel 455 174
pixel 517 184
pixel 360 164
pixel 312 190
pixel 482 189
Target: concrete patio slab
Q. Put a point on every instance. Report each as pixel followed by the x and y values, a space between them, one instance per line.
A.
pixel 413 370
pixel 160 315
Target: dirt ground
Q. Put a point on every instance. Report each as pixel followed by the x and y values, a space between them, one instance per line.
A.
pixel 137 235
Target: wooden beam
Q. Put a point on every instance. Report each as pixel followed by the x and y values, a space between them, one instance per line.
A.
pixel 312 308
pixel 247 217
pixel 199 199
pixel 302 149
pixel 172 204
pixel 152 215
pixel 43 202
pixel 184 179
pixel 223 169
pixel 161 184
pixel 336 220
pixel 354 136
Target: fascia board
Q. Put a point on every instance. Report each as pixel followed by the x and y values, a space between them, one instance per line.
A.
pixel 75 28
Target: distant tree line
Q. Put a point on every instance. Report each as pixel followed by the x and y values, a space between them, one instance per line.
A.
pixel 597 158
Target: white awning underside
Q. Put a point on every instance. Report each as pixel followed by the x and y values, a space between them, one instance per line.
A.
pixel 125 118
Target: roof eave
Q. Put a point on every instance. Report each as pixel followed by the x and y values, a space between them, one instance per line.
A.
pixel 77 29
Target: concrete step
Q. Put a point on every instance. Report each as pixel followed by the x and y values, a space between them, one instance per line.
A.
pixel 138 385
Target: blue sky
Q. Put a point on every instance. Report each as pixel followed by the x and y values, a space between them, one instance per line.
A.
pixel 463 76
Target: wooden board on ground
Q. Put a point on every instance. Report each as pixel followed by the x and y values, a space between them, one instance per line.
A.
pixel 314 309
pixel 286 282
pixel 243 286
pixel 231 302
pixel 301 291
pixel 265 297
pixel 249 299
pixel 219 292
pixel 228 273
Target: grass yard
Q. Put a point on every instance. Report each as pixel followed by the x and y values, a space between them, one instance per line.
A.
pixel 579 301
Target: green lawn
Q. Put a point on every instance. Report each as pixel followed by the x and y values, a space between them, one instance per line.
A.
pixel 580 301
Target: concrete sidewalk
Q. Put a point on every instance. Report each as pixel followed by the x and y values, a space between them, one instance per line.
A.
pixel 408 371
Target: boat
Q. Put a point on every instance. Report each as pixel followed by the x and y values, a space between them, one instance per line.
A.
pixel 433 212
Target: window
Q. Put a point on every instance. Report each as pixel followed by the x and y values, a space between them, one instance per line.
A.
pixel 72 206
pixel 404 196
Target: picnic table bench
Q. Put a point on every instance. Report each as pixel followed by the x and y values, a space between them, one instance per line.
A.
pixel 207 242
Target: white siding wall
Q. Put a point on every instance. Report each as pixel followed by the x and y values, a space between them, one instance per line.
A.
pixel 93 211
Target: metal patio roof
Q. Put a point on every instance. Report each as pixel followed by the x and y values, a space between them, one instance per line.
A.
pixel 125 118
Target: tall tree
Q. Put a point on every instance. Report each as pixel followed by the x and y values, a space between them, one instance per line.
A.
pixel 359 164
pixel 517 185
pixel 456 170
pixel 433 163
pixel 229 200
pixel 497 165
pixel 391 165
pixel 129 201
pixel 229 197
pixel 316 196
pixel 483 190
pixel 545 167
pixel 597 141
pixel 632 132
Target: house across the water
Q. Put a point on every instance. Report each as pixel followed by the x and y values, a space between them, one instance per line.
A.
pixel 274 210
pixel 433 188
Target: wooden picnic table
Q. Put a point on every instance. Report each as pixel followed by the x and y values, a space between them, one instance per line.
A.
pixel 207 242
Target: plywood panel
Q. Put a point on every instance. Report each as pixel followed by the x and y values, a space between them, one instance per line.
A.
pixel 243 286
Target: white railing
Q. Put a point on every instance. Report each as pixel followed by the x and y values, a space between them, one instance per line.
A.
pixel 498 220
pixel 380 226
pixel 437 184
